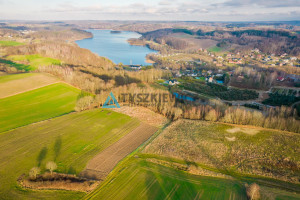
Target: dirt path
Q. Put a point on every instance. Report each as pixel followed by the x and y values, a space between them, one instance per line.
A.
pixel 101 165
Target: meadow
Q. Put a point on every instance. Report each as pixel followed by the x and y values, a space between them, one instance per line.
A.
pixel 37 105
pixel 10 43
pixel 18 66
pixel 140 179
pixel 215 49
pixel 71 141
pixel 35 60
pixel 233 149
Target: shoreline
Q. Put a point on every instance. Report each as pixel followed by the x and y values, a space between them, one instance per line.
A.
pixel 147 60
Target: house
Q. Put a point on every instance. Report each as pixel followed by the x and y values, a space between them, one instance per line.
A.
pixel 135 67
pixel 280 78
pixel 256 50
pixel 293 58
pixel 210 80
pixel 235 61
pixel 172 82
pixel 293 78
pixel 230 73
pixel 178 74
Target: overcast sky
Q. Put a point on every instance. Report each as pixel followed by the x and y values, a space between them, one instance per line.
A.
pixel 193 10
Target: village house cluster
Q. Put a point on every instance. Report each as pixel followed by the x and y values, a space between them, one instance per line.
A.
pixel 255 55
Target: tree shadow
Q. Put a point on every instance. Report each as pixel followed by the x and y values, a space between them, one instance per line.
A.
pixel 42 155
pixel 57 147
pixel 162 182
pixel 166 183
pixel 71 170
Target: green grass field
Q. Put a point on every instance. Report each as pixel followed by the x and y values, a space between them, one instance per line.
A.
pixel 17 65
pixel 215 49
pixel 70 140
pixel 12 77
pixel 139 179
pixel 35 60
pixel 36 105
pixel 10 43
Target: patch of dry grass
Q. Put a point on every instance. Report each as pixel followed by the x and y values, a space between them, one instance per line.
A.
pixel 143 114
pixel 254 151
pixel 59 181
pixel 248 131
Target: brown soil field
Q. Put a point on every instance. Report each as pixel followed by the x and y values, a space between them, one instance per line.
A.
pixel 101 165
pixel 27 83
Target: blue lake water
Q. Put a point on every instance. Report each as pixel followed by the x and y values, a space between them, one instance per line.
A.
pixel 115 47
pixel 220 81
pixel 183 97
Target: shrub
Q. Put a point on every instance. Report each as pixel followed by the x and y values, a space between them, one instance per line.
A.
pixel 84 103
pixel 253 192
pixel 51 166
pixel 34 172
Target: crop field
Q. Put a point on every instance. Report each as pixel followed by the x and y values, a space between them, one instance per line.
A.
pixel 36 105
pixel 35 60
pixel 18 83
pixel 10 43
pixel 102 164
pixel 71 141
pixel 139 179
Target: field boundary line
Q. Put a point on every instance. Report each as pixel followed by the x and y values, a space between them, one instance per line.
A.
pixel 30 89
pixel 4 132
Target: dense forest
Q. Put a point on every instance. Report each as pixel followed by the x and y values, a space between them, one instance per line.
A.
pixel 268 41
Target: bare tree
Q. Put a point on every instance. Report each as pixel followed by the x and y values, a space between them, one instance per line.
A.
pixel 34 172
pixel 253 191
pixel 84 103
pixel 51 166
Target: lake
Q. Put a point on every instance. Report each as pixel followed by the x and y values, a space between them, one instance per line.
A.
pixel 183 97
pixel 115 47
